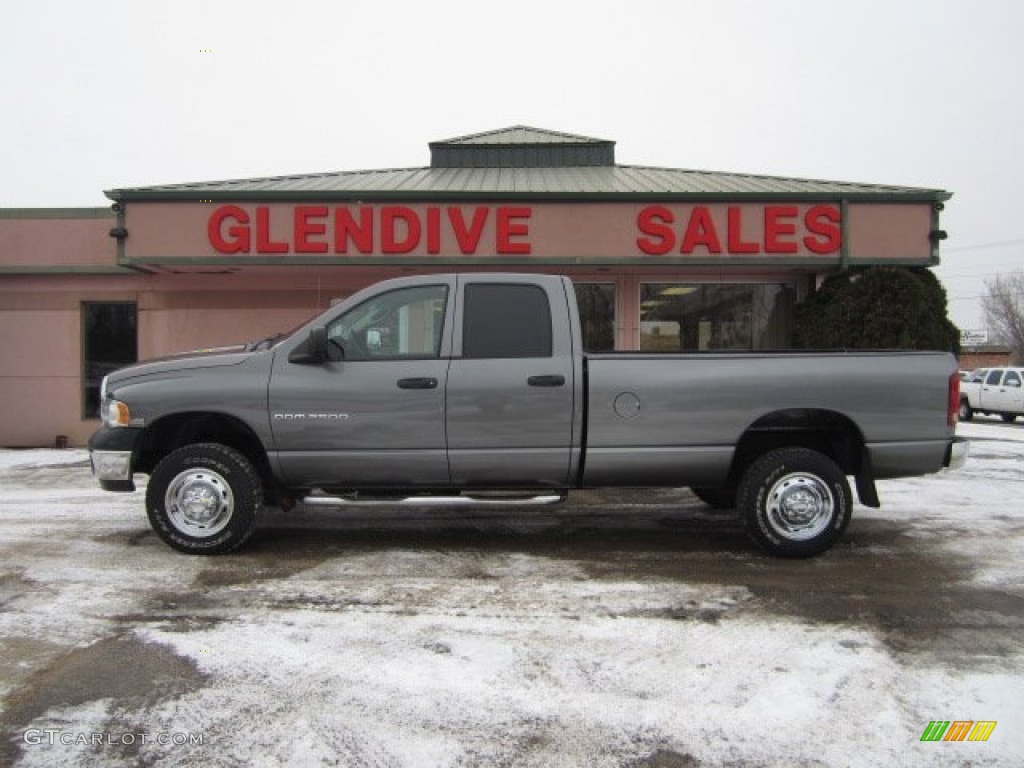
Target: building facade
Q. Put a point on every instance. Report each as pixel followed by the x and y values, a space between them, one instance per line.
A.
pixel 664 259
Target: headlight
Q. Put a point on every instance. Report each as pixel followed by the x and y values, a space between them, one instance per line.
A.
pixel 115 413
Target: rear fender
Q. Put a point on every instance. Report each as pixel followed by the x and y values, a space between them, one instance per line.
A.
pixel 827 432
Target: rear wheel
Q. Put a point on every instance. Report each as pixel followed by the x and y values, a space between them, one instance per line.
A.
pixel 1009 418
pixel 795 502
pixel 203 499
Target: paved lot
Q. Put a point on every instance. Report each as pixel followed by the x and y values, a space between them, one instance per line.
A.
pixel 621 629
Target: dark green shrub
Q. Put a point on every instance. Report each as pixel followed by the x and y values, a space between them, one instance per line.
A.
pixel 877 308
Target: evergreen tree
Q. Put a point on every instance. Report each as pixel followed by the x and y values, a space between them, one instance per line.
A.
pixel 877 308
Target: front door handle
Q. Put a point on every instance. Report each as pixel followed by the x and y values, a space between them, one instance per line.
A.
pixel 421 383
pixel 546 381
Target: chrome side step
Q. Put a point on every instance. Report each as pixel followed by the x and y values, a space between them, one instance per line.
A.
pixel 319 499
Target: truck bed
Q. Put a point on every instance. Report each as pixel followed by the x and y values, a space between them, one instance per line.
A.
pixel 676 419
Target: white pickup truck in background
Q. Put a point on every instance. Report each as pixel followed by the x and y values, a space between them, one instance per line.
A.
pixel 995 391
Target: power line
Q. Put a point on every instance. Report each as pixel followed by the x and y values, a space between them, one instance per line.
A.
pixel 973 274
pixel 983 246
pixel 1018 296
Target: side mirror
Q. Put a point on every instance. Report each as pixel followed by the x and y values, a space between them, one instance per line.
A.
pixel 313 351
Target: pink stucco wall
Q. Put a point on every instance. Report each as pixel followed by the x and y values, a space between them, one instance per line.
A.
pixel 38 239
pixel 890 232
pixel 40 350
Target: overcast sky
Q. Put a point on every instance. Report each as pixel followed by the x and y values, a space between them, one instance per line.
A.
pixel 100 95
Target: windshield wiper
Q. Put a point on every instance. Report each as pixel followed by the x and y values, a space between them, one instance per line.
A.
pixel 262 344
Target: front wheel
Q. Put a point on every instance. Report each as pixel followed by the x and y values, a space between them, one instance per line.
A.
pixel 203 499
pixel 966 412
pixel 717 498
pixel 795 502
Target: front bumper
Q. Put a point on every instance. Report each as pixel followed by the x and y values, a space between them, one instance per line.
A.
pixel 957 453
pixel 113 470
pixel 110 454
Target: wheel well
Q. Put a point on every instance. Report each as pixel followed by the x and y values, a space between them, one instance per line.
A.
pixel 173 432
pixel 827 432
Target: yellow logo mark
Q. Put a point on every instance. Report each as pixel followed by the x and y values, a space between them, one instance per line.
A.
pixel 958 730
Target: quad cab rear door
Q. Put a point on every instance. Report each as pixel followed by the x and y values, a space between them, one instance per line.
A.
pixel 513 414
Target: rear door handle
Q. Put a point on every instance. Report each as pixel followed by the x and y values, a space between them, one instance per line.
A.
pixel 546 381
pixel 423 383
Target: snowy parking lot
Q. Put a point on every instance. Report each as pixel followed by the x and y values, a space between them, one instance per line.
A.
pixel 620 629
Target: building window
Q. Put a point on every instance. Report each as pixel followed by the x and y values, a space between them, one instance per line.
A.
pixel 110 341
pixel 597 315
pixel 693 316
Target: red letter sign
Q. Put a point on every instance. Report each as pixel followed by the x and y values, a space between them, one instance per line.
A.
pixel 654 220
pixel 467 237
pixel 776 227
pixel 700 231
pixel 507 230
pixel 736 242
pixel 390 242
pixel 304 227
pixel 238 240
pixel 263 242
pixel 823 220
pixel 345 229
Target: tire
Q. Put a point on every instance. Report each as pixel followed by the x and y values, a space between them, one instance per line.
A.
pixel 202 499
pixel 794 502
pixel 966 412
pixel 719 498
pixel 1009 418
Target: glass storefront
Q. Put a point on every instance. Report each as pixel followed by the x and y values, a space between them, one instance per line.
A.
pixel 694 316
pixel 597 315
pixel 686 317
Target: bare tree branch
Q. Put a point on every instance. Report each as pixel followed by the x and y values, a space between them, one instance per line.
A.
pixel 1004 311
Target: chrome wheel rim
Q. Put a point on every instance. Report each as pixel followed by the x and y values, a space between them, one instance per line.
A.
pixel 199 503
pixel 800 506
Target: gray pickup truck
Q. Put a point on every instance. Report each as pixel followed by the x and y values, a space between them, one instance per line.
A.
pixel 475 384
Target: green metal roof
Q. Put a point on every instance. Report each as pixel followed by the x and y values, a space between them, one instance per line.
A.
pixel 523 163
pixel 521 147
pixel 520 134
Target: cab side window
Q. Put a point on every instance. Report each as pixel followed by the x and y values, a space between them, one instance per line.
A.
pixel 402 324
pixel 1012 379
pixel 993 377
pixel 503 321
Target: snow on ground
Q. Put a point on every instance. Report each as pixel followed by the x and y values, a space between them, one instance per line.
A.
pixel 483 653
pixel 977 511
pixel 40 457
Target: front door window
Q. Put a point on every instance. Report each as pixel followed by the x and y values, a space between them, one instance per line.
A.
pixel 403 323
